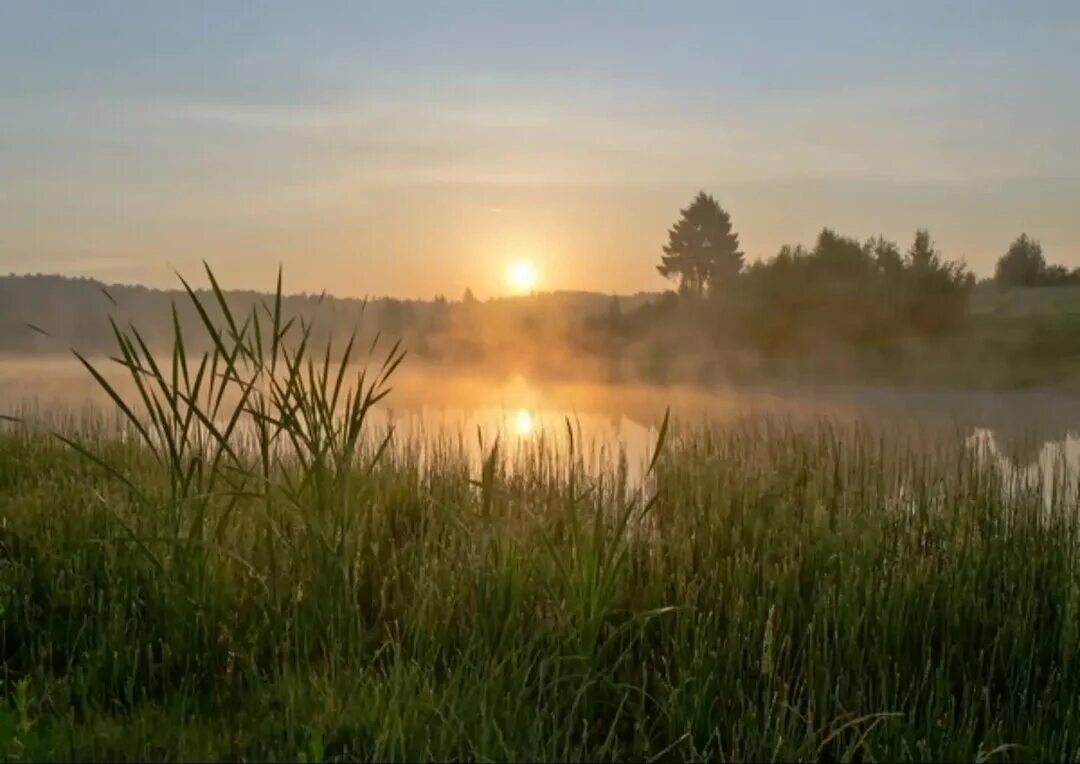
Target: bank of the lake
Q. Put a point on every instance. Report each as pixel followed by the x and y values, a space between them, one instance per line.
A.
pixel 789 593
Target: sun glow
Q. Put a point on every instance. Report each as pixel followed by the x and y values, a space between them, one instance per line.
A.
pixel 523 423
pixel 523 276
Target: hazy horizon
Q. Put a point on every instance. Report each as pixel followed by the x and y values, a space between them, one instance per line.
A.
pixel 411 150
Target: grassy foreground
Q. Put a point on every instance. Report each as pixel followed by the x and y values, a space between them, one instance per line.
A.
pixel 778 600
pixel 243 567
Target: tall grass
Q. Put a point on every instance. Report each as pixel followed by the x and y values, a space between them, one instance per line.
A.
pixel 250 568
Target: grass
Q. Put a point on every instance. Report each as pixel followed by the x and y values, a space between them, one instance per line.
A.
pixel 244 566
pixel 1015 338
pixel 1019 302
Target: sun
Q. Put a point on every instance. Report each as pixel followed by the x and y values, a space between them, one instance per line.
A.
pixel 523 423
pixel 522 276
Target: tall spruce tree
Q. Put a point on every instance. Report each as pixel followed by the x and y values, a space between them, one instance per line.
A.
pixel 702 249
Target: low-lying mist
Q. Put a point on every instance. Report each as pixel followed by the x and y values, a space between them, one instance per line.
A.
pixel 623 361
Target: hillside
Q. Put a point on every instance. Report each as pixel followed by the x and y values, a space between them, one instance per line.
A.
pixel 74 312
pixel 1012 338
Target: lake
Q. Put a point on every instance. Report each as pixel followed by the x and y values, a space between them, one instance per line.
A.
pixel 1028 429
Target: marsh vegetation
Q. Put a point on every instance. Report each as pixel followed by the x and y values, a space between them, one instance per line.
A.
pixel 239 559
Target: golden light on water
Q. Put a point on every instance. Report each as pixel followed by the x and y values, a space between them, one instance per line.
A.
pixel 523 423
pixel 523 276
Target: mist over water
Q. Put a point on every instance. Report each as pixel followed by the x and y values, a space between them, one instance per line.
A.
pixel 1027 429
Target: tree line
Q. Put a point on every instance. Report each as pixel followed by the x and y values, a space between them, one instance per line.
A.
pixel 1025 265
pixel 859 293
pixel 839 290
pixel 839 306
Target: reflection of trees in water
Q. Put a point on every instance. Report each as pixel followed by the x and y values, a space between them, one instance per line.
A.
pixel 1023 426
pixel 1020 450
pixel 1022 423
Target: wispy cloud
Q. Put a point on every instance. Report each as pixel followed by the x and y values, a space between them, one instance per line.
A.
pixel 893 130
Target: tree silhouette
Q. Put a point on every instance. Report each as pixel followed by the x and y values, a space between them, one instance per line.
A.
pixel 1059 275
pixel 1022 265
pixel 923 256
pixel 702 250
pixel 937 289
pixel 888 257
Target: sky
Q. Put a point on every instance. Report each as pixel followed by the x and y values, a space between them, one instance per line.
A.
pixel 410 149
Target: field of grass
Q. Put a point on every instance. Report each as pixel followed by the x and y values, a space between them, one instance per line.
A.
pixel 1020 302
pixel 237 566
pixel 1023 337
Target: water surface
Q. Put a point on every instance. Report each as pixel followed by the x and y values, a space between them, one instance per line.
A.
pixel 1029 429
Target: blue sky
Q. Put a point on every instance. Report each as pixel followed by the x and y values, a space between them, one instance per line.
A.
pixel 414 148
